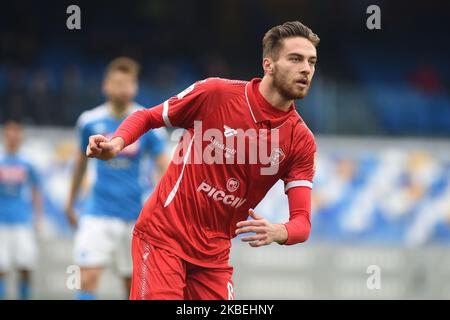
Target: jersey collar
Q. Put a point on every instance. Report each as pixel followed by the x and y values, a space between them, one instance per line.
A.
pixel 133 107
pixel 261 110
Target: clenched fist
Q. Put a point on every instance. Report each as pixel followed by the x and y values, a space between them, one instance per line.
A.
pixel 101 148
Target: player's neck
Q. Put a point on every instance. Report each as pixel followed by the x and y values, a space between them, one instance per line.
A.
pixel 118 110
pixel 273 96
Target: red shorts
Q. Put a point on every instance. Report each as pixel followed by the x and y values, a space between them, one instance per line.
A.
pixel 161 275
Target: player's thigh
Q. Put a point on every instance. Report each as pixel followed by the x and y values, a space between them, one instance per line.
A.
pixel 122 257
pixel 5 248
pixel 94 242
pixel 25 247
pixel 157 273
pixel 210 284
pixel 90 277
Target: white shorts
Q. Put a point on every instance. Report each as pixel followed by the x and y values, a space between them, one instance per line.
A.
pixel 103 241
pixel 18 248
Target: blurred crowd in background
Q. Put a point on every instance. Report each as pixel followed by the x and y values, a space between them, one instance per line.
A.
pixel 393 81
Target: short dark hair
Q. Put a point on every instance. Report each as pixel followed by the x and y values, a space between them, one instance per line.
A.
pixel 273 38
pixel 123 64
pixel 13 120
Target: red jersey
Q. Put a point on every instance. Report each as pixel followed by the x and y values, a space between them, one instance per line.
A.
pixel 215 177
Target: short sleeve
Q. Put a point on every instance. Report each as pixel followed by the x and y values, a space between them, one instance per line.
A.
pixel 303 164
pixel 191 104
pixel 83 134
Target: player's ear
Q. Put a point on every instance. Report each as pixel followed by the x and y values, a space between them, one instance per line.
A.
pixel 104 87
pixel 268 66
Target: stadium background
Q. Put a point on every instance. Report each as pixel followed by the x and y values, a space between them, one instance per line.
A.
pixel 379 106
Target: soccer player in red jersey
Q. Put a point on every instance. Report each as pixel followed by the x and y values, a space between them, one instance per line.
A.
pixel 241 138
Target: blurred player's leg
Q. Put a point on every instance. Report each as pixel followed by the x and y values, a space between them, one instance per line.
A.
pixel 2 286
pixel 157 273
pixel 93 249
pixel 127 285
pixel 209 284
pixel 25 251
pixel 90 278
pixel 5 259
pixel 123 257
pixel 24 284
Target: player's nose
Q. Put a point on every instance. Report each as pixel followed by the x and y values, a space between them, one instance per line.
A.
pixel 305 68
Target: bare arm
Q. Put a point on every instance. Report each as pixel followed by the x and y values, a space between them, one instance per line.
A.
pixel 37 207
pixel 77 177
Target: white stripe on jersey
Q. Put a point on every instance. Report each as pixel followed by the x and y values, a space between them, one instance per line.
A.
pixel 165 113
pixel 298 183
pixel 248 103
pixel 175 188
pixel 230 291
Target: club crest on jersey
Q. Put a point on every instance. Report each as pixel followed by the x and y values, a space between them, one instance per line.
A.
pixel 229 132
pixel 276 156
pixel 232 184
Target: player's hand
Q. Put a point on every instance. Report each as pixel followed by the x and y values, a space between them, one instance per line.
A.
pixel 72 216
pixel 102 148
pixel 265 231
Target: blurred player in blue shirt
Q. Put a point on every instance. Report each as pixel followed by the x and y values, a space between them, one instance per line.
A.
pixel 116 196
pixel 19 198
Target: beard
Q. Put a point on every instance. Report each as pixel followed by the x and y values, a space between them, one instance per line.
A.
pixel 286 88
pixel 120 103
